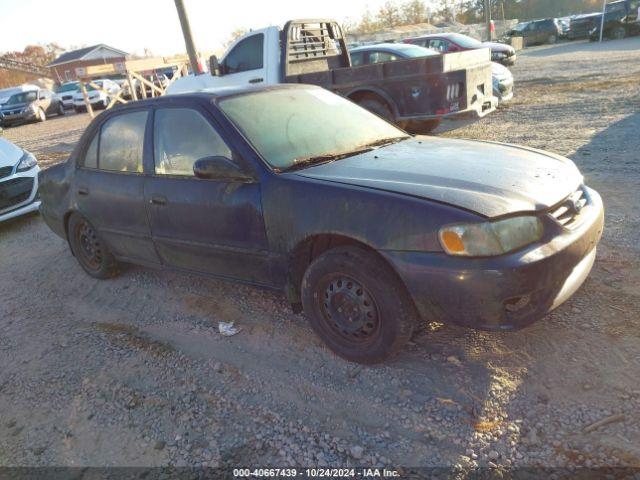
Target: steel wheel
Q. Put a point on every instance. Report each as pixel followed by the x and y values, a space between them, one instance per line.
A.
pixel 91 251
pixel 349 310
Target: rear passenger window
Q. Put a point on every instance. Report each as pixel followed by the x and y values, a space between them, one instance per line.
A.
pixel 91 155
pixel 121 143
pixel 181 136
pixel 356 59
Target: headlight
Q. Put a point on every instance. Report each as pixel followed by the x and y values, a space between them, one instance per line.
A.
pixel 490 238
pixel 29 108
pixel 27 162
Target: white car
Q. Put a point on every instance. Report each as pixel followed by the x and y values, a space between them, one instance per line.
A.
pixel 18 181
pixel 502 82
pixel 66 91
pixel 97 98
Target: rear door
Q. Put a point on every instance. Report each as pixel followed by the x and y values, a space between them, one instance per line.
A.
pixel 208 226
pixel 109 186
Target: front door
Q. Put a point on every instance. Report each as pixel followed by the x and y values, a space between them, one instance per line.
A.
pixel 109 187
pixel 208 226
pixel 245 63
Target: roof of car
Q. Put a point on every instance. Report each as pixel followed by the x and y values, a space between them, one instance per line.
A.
pixel 215 94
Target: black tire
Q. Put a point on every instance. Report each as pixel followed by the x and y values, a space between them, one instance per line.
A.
pixel 357 305
pixel 379 107
pixel 61 109
pixel 89 249
pixel 77 109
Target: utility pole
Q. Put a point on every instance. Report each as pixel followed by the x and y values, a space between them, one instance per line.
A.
pixel 487 18
pixel 188 38
pixel 604 10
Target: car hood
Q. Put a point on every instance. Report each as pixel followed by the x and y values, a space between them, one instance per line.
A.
pixel 14 106
pixel 10 154
pixel 488 178
pixel 497 47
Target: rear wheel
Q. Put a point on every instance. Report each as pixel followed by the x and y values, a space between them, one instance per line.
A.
pixel 357 306
pixel 379 107
pixel 90 250
pixel 552 39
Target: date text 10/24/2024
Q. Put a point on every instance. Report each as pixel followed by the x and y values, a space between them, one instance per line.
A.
pixel 315 473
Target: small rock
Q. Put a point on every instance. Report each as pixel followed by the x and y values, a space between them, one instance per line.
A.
pixel 493 455
pixel 160 444
pixel 357 452
pixel 39 450
pixel 11 423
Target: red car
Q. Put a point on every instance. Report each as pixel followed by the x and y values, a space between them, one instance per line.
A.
pixel 456 42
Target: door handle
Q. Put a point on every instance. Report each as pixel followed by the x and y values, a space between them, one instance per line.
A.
pixel 158 200
pixel 256 80
pixel 83 191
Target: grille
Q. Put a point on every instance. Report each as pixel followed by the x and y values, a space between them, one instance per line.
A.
pixel 13 192
pixel 5 171
pixel 567 212
pixel 453 91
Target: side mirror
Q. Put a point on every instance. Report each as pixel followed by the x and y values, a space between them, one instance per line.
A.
pixel 214 66
pixel 220 168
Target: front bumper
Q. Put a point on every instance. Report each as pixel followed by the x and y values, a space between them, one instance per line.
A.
pixel 506 61
pixel 506 292
pixel 19 194
pixel 17 117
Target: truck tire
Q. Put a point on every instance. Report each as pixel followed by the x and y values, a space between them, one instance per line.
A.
pixel 379 107
pixel 422 127
pixel 357 305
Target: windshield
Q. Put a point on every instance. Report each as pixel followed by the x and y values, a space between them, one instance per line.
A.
pixel 24 97
pixel 291 126
pixel 90 88
pixel 68 87
pixel 520 27
pixel 465 42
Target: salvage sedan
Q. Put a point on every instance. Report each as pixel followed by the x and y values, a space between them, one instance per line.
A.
pixel 366 228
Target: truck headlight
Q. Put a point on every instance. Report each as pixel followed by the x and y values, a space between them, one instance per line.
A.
pixel 27 162
pixel 29 108
pixel 490 238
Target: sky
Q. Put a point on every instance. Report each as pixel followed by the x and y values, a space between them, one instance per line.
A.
pixel 133 25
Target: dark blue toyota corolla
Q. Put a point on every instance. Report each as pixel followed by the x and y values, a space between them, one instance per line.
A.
pixel 368 229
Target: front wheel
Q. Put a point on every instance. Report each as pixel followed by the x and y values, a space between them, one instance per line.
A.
pixel 61 109
pixel 41 116
pixel 89 249
pixel 357 305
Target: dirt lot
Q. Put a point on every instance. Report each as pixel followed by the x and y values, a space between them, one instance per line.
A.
pixel 132 371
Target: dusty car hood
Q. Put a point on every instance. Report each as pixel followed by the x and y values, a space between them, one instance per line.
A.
pixel 497 47
pixel 488 178
pixel 10 154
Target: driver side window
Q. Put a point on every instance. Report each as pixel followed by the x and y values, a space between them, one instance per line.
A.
pixel 181 136
pixel 246 55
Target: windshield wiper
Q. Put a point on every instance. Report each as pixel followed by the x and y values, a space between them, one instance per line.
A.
pixel 300 163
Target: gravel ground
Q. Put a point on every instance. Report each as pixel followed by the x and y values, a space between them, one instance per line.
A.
pixel 132 371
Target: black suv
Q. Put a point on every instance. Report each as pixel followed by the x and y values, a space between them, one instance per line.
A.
pixel 537 32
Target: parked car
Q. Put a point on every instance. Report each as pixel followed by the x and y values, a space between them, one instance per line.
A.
pixel 389 52
pixel 415 91
pixel 66 91
pixel 537 32
pixel 6 93
pixel 456 42
pixel 18 181
pixel 620 20
pixel 295 188
pixel 32 105
pixel 581 25
pixel 97 98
